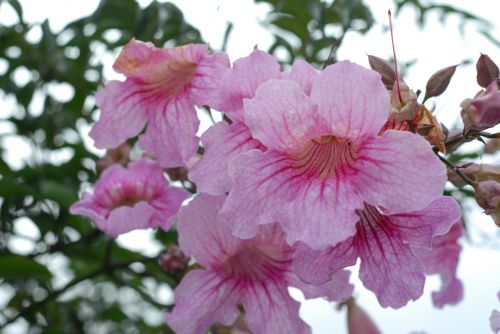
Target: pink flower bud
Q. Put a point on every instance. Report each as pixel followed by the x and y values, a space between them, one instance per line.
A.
pixel 483 111
pixel 488 197
pixel 173 260
pixel 358 321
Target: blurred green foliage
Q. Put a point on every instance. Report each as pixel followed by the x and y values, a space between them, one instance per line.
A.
pixel 75 280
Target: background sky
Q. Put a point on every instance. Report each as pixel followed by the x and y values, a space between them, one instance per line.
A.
pixel 436 46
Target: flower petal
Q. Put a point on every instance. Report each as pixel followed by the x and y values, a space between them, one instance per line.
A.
pixel 203 234
pixel 122 114
pixel 419 227
pixel 322 214
pixel 242 81
pixel 337 288
pixel 389 267
pixel 202 299
pixel 443 259
pixel 221 142
pixel 260 193
pixel 351 99
pixel 125 219
pixel 281 115
pixel 317 266
pixel 270 309
pixel 399 172
pixel 303 73
pixel 171 133
pixel 208 73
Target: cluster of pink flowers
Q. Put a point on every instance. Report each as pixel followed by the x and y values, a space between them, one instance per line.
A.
pixel 294 185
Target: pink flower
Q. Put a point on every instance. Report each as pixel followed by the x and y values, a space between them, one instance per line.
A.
pixel 358 321
pixel 222 142
pixel 254 273
pixel 160 89
pixel 324 159
pixel 483 111
pixel 389 266
pixel 138 197
pixel 495 319
pixel 442 259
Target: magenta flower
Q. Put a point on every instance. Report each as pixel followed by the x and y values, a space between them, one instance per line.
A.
pixel 442 259
pixel 160 89
pixel 137 197
pixel 222 142
pixel 254 274
pixel 325 159
pixel 483 111
pixel 389 266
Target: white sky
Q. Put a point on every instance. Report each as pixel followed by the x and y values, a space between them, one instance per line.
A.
pixel 435 47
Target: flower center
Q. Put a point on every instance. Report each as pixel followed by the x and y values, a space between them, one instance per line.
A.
pixel 172 77
pixel 127 194
pixel 325 157
pixel 259 263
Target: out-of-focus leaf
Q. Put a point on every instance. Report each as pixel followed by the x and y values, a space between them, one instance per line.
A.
pixel 19 267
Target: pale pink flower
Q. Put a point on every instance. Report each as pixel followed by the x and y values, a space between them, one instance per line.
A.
pixel 254 273
pixel 443 259
pixel 222 142
pixel 126 199
pixel 324 159
pixel 483 111
pixel 495 319
pixel 358 321
pixel 389 267
pixel 160 89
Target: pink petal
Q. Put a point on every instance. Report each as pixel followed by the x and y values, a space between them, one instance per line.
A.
pixel 122 115
pixel 443 260
pixel 221 142
pixel 203 234
pixel 389 267
pixel 351 99
pixel 399 172
pixel 209 71
pixel 337 288
pixel 281 115
pixel 167 206
pixel 322 214
pixel 270 309
pixel 171 133
pixel 125 219
pixel 202 299
pixel 495 321
pixel 303 73
pixel 317 266
pixel 262 189
pixel 242 81
pixel 419 227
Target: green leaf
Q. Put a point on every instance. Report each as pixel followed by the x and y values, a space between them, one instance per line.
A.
pixel 20 267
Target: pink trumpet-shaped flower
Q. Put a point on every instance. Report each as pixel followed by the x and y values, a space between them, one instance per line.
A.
pixel 160 89
pixel 442 259
pixel 126 199
pixel 389 267
pixel 254 273
pixel 358 321
pixel 495 319
pixel 324 159
pixel 222 142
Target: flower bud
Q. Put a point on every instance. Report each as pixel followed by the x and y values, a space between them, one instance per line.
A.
pixel 358 321
pixel 119 155
pixel 488 197
pixel 173 260
pixel 483 111
pixel 475 172
pixel 492 146
pixel 487 71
